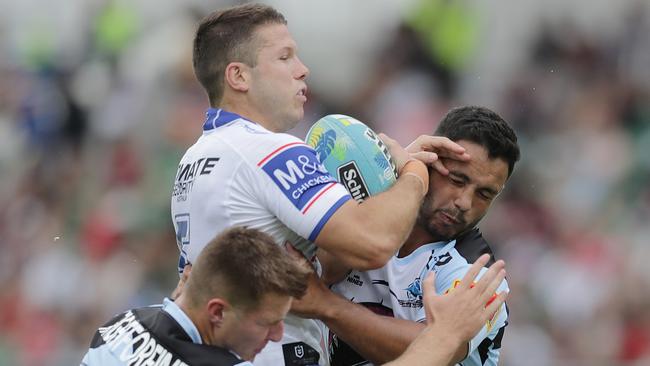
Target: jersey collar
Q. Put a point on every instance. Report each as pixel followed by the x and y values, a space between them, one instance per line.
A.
pixel 217 117
pixel 182 319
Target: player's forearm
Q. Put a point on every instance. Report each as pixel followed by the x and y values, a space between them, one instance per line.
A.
pixel 421 352
pixel 391 214
pixel 334 270
pixel 377 338
pixel 364 236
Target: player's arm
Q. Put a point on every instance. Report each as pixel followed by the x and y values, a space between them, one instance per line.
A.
pixel 333 269
pixel 377 338
pixel 364 236
pixel 453 319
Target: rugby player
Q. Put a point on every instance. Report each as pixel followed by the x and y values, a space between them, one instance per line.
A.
pixel 444 240
pixel 244 170
pixel 453 319
pixel 234 302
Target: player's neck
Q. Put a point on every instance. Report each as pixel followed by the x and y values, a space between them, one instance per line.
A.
pixel 199 320
pixel 247 111
pixel 419 236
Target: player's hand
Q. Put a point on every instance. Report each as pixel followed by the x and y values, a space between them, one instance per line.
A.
pixel 315 298
pixel 465 310
pixel 430 150
pixel 402 158
pixel 397 152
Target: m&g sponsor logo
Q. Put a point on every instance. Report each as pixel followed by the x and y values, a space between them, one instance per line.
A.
pixel 351 178
pixel 308 173
pixel 297 172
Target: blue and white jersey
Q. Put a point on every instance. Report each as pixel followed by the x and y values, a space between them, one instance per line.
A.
pixel 240 174
pixel 398 286
pixel 157 335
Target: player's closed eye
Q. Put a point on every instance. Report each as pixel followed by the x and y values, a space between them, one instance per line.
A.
pixel 484 196
pixel 456 181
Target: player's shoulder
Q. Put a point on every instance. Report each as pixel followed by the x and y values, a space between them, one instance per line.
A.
pixel 259 145
pixel 462 251
pixel 452 262
pixel 225 129
pixel 471 245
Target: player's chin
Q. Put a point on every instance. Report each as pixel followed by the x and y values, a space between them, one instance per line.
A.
pixel 446 232
pixel 297 114
pixel 250 356
pixel 256 352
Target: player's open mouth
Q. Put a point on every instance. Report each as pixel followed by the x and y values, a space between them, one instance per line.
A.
pixel 302 93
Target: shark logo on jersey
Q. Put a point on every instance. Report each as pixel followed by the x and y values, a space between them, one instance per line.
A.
pixel 414 290
pixel 413 295
pixel 297 172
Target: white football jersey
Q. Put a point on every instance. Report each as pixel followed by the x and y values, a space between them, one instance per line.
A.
pixel 396 289
pixel 240 174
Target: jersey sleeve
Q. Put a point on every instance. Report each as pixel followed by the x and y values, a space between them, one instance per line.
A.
pixel 296 187
pixel 485 346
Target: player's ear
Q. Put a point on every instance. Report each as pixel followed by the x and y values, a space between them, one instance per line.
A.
pixel 237 76
pixel 216 308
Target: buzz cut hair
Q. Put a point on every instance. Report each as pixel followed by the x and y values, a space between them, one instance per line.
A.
pixel 226 36
pixel 243 265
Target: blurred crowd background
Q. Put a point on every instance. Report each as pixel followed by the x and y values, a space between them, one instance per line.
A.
pixel 98 102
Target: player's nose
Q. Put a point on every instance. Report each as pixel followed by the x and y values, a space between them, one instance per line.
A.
pixel 464 200
pixel 275 333
pixel 303 70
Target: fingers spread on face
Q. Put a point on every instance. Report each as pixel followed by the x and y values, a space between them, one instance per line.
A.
pixel 427 157
pixel 440 167
pixel 441 145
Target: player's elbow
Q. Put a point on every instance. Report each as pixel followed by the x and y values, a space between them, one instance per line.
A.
pixel 378 254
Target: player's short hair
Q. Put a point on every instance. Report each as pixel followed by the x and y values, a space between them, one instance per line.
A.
pixel 484 127
pixel 227 36
pixel 241 266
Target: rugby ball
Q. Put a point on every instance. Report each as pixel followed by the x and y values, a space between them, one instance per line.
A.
pixel 353 154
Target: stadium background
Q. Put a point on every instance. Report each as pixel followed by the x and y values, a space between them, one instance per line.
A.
pixel 98 102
